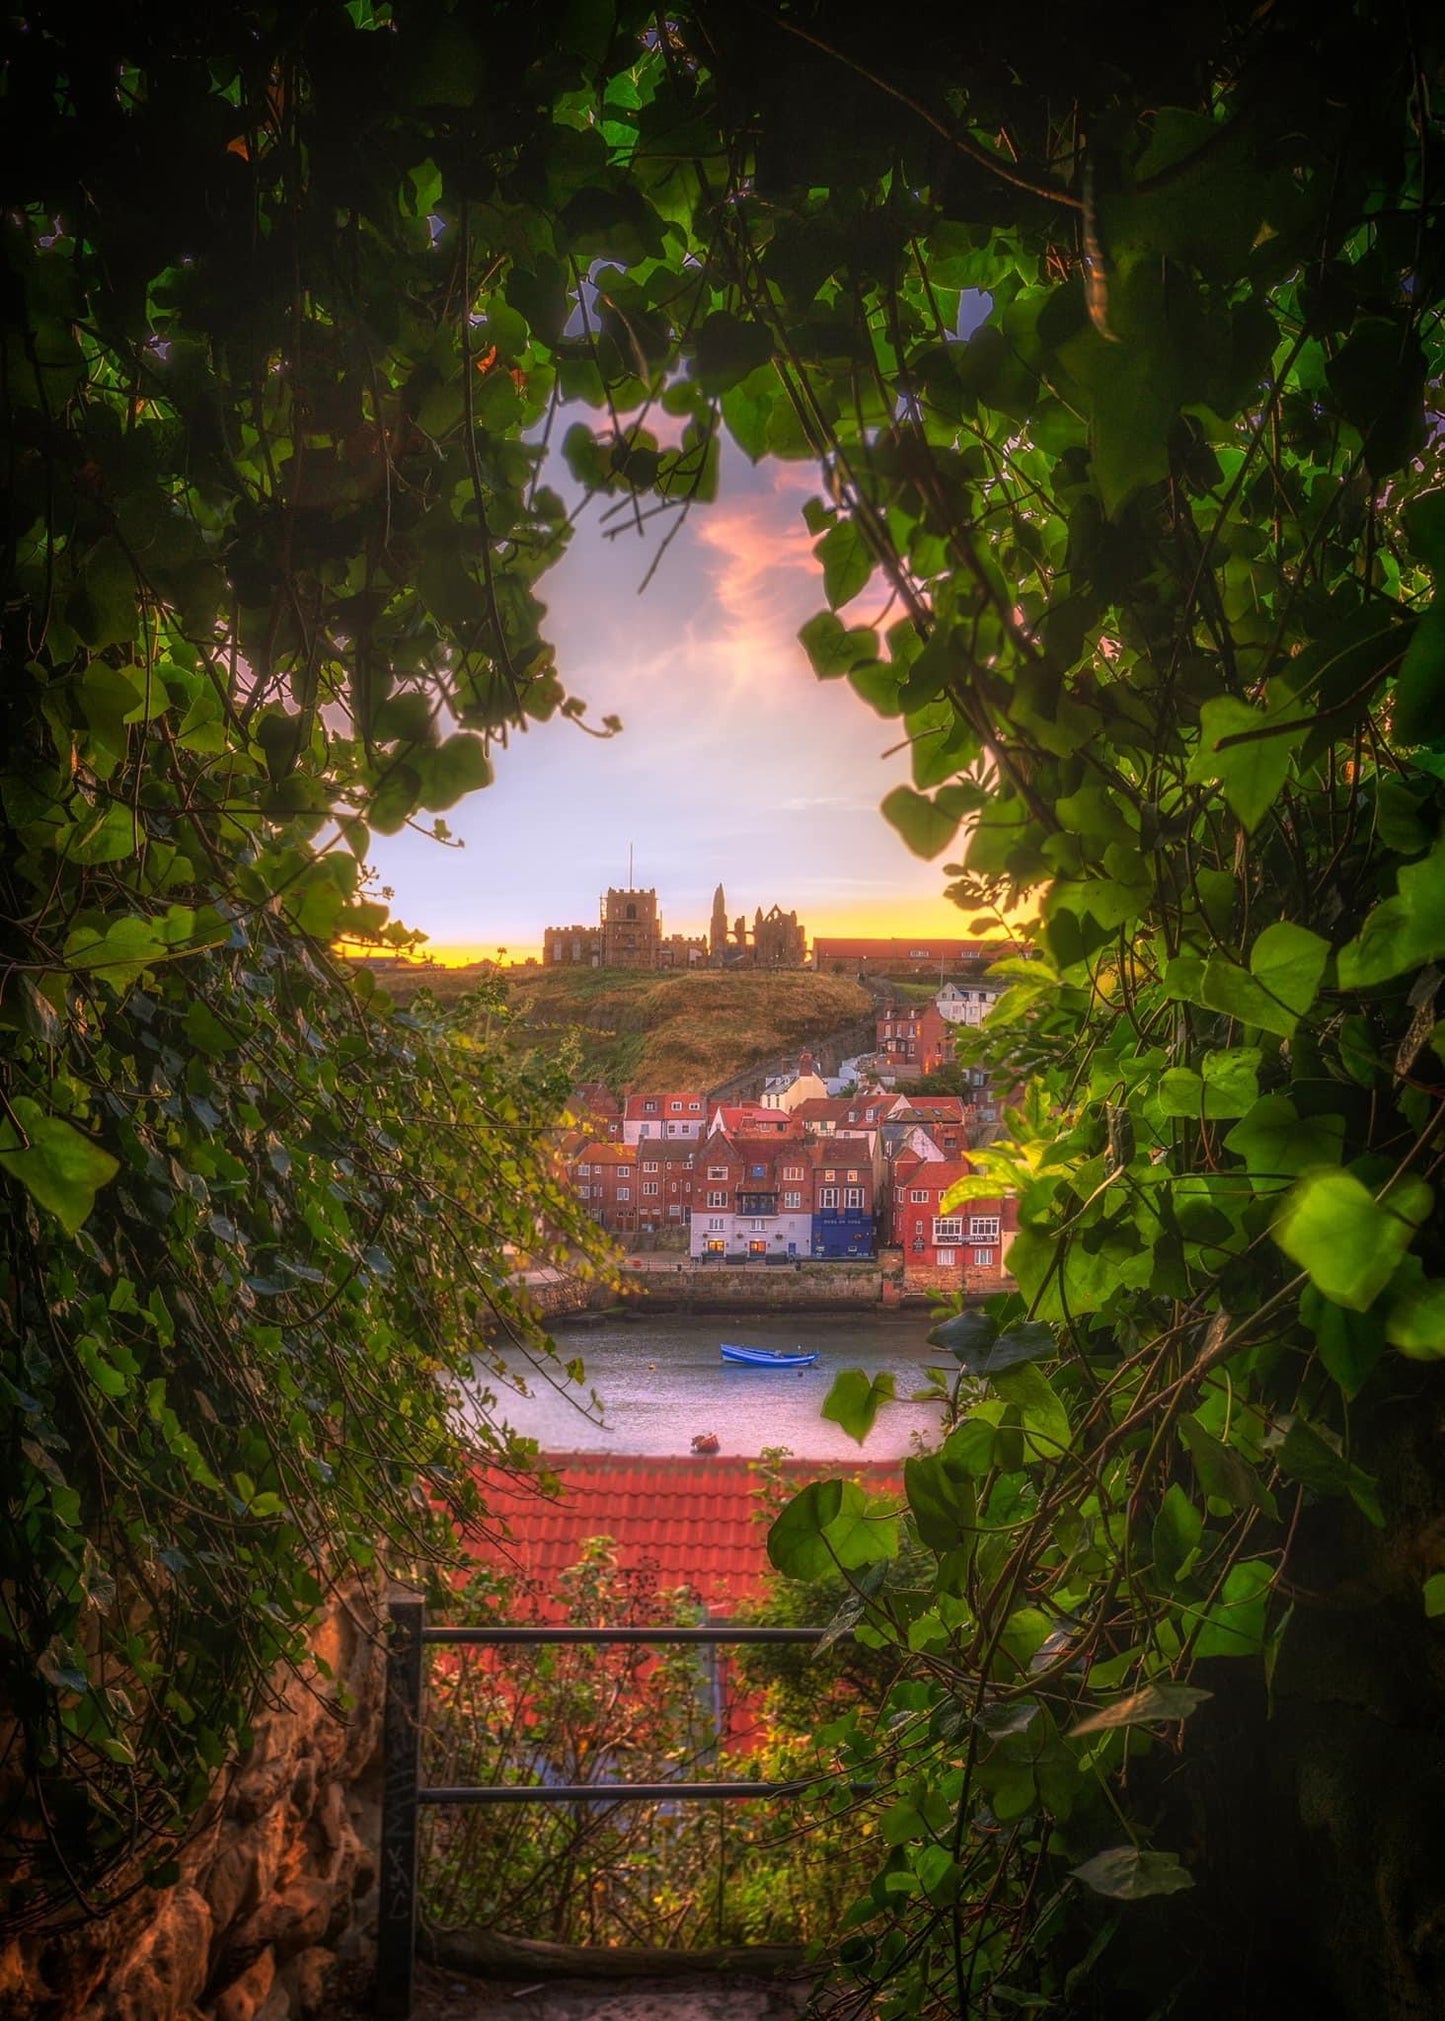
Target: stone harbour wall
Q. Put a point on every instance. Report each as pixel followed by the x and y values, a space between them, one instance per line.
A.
pixel 274 1888
pixel 661 1285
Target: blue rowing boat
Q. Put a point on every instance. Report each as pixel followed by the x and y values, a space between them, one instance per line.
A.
pixel 766 1357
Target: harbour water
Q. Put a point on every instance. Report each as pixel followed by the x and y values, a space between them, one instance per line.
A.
pixel 662 1382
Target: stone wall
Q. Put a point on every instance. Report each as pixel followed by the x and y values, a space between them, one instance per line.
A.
pixel 272 1889
pixel 664 1286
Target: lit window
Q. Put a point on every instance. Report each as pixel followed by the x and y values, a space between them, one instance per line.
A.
pixel 830 1175
pixel 852 1177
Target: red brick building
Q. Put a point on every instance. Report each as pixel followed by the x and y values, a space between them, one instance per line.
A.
pixel 606 1178
pixel 665 1173
pixel 947 1250
pixel 751 1119
pixel 825 1117
pixel 914 1039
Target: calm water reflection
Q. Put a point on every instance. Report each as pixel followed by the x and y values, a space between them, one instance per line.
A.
pixel 661 1380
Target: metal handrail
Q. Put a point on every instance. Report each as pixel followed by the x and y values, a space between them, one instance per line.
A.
pixel 403 1792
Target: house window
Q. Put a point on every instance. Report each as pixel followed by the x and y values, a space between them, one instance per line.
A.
pixel 794 1200
pixel 624 1171
pixel 852 1178
pixel 717 1199
pixel 649 1164
pixel 828 1197
pixel 717 1171
pixel 983 1227
pixel 624 1192
pixel 650 1186
pixel 716 1246
pixel 715 1224
pixel 694 1106
pixel 757 1171
pixel 853 1197
pixel 899 1193
pixel 983 1259
pixel 792 1171
pixel 948 1228
pixel 676 1108
pixel 758 1228
pixel 830 1175
pixel 947 1258
pixel 919 1197
pixel 649 1106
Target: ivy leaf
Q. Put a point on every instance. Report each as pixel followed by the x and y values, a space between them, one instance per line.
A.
pixel 729 350
pixel 833 649
pixel 1305 1455
pixel 1251 771
pixel 795 1541
pixel 1164 1700
pixel 1045 1421
pixel 1419 708
pixel 1235 1624
pixel 927 828
pixel 944 1509
pixel 847 562
pixel 1129 1875
pixel 1415 1322
pixel 1288 961
pixel 1402 932
pixel 455 768
pixel 1349 1242
pixel 61 1169
pixel 1224 1475
pixel 973 1338
pixel 854 1401
pixel 1277 1144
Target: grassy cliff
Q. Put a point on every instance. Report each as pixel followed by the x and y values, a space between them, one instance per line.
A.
pixel 641 1031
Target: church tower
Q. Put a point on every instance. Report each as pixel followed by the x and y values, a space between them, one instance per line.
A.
pixel 717 939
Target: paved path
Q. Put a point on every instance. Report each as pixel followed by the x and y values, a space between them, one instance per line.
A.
pixel 443 1996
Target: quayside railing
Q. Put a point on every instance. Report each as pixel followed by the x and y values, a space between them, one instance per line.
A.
pixel 403 1792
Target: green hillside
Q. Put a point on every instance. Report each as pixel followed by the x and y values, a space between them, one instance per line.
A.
pixel 640 1031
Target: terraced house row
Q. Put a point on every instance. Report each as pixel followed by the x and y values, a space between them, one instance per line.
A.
pixel 834 1180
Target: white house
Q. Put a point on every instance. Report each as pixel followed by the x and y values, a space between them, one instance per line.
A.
pixel 968 1003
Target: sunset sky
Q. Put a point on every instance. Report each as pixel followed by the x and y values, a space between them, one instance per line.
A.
pixel 734 762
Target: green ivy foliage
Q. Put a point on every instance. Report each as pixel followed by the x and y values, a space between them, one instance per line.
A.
pixel 1119 354
pixel 270 537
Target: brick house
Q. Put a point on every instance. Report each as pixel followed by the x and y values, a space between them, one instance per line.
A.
pixel 665 1172
pixel 752 1199
pixel 844 1187
pixel 913 1039
pixel 668 1116
pixel 962 1249
pixel 606 1179
pixel 825 1117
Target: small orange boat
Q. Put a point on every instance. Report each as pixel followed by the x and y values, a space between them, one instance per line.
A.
pixel 705 1442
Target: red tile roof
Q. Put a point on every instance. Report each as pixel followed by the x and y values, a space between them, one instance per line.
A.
pixel 687 1520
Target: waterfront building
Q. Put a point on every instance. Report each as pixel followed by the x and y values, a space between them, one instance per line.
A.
pixel 752 1200
pixel 948 1250
pixel 844 1186
pixel 606 1180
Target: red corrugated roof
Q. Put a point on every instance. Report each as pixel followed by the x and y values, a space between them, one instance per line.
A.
pixel 688 1521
